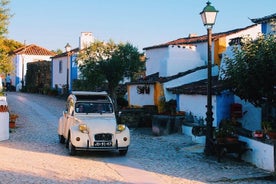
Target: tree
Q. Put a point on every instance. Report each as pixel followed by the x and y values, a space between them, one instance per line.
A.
pixel 6 46
pixel 88 61
pixel 57 51
pixel 4 17
pixel 109 63
pixel 251 73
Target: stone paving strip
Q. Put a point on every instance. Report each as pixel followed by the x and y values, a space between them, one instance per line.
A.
pixel 33 154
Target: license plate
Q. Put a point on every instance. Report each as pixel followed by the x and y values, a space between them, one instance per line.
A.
pixel 102 144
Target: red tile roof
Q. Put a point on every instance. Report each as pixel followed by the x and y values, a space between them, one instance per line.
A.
pixel 65 53
pixel 153 78
pixel 199 87
pixel 33 50
pixel 198 39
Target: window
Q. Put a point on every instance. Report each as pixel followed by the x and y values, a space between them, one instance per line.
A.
pixel 60 66
pixel 93 107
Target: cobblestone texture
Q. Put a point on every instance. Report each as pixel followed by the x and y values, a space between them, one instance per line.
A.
pixel 34 155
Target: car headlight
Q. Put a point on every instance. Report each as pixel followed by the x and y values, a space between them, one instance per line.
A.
pixel 121 127
pixel 83 128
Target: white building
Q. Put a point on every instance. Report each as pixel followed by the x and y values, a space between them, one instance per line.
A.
pixel 24 55
pixel 181 62
pixel 67 59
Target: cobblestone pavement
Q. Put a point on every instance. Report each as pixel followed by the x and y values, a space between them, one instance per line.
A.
pixel 33 154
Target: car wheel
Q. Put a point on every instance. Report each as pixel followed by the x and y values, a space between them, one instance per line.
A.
pixel 123 152
pixel 67 141
pixel 71 148
pixel 61 139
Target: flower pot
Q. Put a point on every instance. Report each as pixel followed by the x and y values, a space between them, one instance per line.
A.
pixel 12 121
pixel 271 135
pixel 220 139
pixel 231 139
pixel 12 124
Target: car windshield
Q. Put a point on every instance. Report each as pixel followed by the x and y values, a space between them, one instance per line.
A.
pixel 93 107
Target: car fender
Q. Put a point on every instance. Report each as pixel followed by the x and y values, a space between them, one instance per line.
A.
pixel 68 123
pixel 74 133
pixel 61 124
pixel 121 135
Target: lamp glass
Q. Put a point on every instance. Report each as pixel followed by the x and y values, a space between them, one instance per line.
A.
pixel 208 15
pixel 209 18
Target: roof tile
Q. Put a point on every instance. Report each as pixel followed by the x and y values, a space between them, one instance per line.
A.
pixel 198 39
pixel 199 87
pixel 33 50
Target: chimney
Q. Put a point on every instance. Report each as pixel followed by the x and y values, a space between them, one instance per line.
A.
pixel 86 39
pixel 192 35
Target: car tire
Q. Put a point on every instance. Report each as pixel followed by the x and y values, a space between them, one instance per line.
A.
pixel 61 139
pixel 71 148
pixel 67 141
pixel 123 152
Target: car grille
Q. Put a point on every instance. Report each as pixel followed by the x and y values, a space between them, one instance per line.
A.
pixel 103 137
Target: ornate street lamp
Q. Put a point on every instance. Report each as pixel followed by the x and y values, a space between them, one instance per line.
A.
pixel 68 49
pixel 208 16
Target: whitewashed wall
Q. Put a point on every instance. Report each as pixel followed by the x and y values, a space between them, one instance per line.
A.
pixel 252 118
pixel 202 47
pixel 192 77
pixel 196 104
pixel 156 61
pixel 59 79
pixel 182 59
pixel 18 61
pixel 270 29
pixel 141 99
pixel 4 119
pixel 171 60
pixel 252 32
pixel 262 155
pixel 202 50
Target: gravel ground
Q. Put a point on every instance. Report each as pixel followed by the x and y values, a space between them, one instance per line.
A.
pixel 34 155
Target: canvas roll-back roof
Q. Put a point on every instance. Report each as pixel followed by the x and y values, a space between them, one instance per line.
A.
pixel 91 96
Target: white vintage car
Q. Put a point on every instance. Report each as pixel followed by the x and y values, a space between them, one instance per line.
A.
pixel 89 123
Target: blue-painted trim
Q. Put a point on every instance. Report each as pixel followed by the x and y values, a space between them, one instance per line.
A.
pixel 74 70
pixel 264 28
pixel 17 78
pixel 223 105
pixel 52 70
pixel 177 102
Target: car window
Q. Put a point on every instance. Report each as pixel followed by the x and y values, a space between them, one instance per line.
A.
pixel 93 107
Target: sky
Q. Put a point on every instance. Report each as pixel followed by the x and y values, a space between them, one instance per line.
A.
pixel 143 23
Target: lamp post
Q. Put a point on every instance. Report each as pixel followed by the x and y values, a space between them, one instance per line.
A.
pixel 67 48
pixel 208 16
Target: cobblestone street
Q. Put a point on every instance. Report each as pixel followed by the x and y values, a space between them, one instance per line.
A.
pixel 33 154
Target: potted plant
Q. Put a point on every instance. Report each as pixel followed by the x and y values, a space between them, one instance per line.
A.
pixel 13 118
pixel 220 135
pixel 227 129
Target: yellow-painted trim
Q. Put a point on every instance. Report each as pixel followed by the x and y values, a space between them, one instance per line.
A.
pixel 219 48
pixel 159 96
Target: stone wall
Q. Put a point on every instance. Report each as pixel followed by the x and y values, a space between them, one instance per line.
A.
pixel 167 124
pixel 138 117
